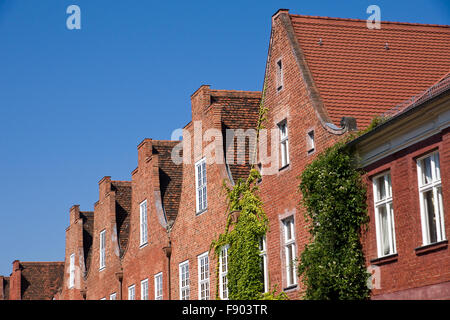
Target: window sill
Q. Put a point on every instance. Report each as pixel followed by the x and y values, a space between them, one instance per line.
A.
pixel 432 247
pixel 201 212
pixel 291 288
pixel 143 245
pixel 284 167
pixel 385 260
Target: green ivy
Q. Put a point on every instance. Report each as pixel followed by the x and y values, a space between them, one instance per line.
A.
pixel 246 225
pixel 332 264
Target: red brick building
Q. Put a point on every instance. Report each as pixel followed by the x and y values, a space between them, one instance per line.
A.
pixel 33 281
pixel 406 160
pixel 149 238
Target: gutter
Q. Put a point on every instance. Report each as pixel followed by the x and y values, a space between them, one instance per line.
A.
pixel 407 112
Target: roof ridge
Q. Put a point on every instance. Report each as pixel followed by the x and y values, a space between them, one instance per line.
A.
pixel 362 20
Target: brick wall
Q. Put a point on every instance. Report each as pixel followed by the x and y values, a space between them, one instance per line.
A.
pixel 427 272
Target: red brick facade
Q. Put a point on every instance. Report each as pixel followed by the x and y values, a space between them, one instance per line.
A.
pixel 302 51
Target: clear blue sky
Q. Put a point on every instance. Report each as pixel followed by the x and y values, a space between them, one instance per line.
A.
pixel 75 104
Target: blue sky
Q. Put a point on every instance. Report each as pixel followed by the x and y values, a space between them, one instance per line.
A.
pixel 74 104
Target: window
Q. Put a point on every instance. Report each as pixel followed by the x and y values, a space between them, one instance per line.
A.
pixel 112 296
pixel 104 298
pixel 143 223
pixel 144 289
pixel 184 281
pixel 72 271
pixel 200 180
pixel 384 214
pixel 430 197
pixel 289 251
pixel 284 143
pixel 131 292
pixel 203 276
pixel 223 268
pixel 279 75
pixel 102 249
pixel 310 144
pixel 158 286
pixel 265 271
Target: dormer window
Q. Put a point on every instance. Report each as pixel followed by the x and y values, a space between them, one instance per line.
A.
pixel 279 75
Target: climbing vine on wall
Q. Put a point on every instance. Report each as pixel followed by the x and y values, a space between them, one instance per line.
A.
pixel 332 264
pixel 246 225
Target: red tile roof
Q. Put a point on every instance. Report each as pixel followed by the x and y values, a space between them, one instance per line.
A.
pixel 41 280
pixel 239 110
pixel 363 72
pixel 170 177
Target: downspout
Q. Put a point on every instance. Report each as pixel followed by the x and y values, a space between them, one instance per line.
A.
pixel 168 251
pixel 119 276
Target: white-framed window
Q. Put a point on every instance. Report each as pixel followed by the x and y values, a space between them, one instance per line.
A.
pixel 131 292
pixel 279 75
pixel 264 267
pixel 113 296
pixel 184 280
pixel 430 197
pixel 284 143
pixel 72 271
pixel 143 223
pixel 144 289
pixel 203 276
pixel 289 251
pixel 310 142
pixel 159 286
pixel 384 214
pixel 104 298
pixel 223 272
pixel 102 249
pixel 200 183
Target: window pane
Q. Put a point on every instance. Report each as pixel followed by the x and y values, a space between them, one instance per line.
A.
pixel 426 170
pixel 381 188
pixel 384 228
pixel 437 166
pixel 431 215
pixel 288 230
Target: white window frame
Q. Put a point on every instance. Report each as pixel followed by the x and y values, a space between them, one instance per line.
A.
pixel 223 272
pixel 384 202
pixel 144 289
pixel 279 75
pixel 184 280
pixel 113 296
pixel 310 144
pixel 264 266
pixel 132 292
pixel 203 277
pixel 72 271
pixel 159 286
pixel 435 186
pixel 201 190
pixel 143 231
pixel 284 142
pixel 102 249
pixel 289 249
pixel 104 298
